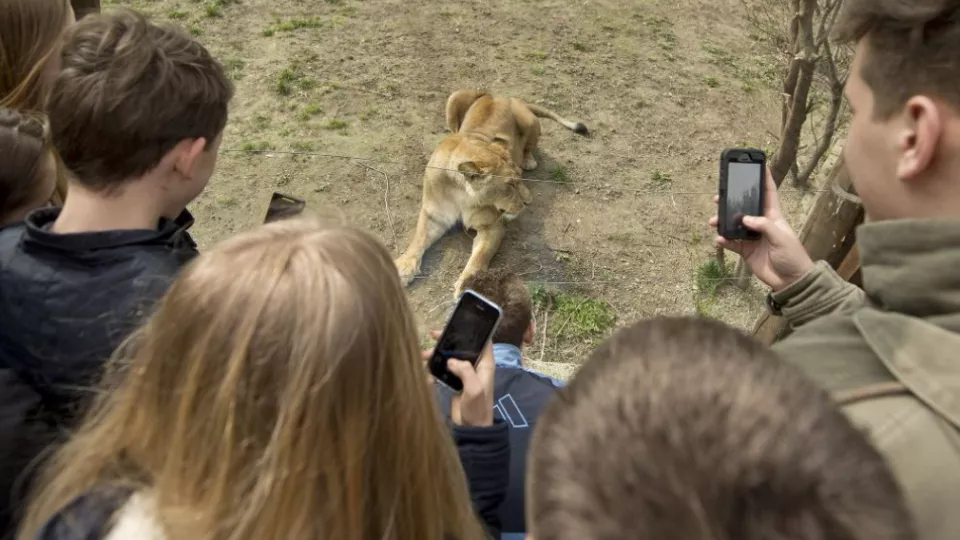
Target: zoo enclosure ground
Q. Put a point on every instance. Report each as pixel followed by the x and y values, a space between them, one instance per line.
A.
pixel 617 230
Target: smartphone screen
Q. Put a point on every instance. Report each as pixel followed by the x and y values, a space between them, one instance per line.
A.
pixel 283 207
pixel 471 325
pixel 743 195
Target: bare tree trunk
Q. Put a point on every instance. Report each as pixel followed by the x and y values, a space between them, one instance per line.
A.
pixel 742 274
pixel 721 255
pixel 830 129
pixel 805 63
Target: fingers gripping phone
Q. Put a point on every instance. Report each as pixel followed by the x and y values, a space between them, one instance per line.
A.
pixel 741 191
pixel 471 325
pixel 283 207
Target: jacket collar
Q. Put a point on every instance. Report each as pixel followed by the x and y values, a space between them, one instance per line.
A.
pixel 913 267
pixel 37 234
pixel 507 355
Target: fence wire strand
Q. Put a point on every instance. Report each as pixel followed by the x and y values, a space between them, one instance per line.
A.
pixel 540 180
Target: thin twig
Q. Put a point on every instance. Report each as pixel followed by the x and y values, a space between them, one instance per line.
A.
pixel 546 320
pixel 386 201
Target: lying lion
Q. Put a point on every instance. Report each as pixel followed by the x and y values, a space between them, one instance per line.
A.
pixel 473 176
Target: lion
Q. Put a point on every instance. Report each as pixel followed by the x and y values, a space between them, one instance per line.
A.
pixel 474 176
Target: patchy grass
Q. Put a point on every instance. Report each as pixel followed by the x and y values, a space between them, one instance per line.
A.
pixel 310 111
pixel 574 317
pixel 227 201
pixel 177 15
pixel 709 277
pixel 255 146
pixel 712 82
pixel 661 179
pixel 579 46
pixel 335 125
pixel 292 25
pixel 261 122
pixel 559 174
pixel 234 67
pixel 303 146
pixel 292 78
pixel 538 71
pixel 269 32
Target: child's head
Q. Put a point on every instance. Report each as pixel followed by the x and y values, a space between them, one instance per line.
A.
pixel 136 101
pixel 686 429
pixel 28 166
pixel 508 291
pixel 31 32
pixel 277 392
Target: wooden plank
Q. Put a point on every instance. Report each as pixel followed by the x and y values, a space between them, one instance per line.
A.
pixel 849 269
pixel 827 234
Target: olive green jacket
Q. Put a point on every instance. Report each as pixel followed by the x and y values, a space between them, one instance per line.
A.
pixel 890 354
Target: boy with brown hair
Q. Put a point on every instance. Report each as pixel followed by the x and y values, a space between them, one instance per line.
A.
pixel 519 393
pixel 686 429
pixel 889 351
pixel 136 113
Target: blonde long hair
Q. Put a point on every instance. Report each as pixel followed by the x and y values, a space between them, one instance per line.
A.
pixel 277 392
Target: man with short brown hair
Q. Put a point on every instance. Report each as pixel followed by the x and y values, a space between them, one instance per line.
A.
pixel 686 429
pixel 889 351
pixel 520 393
pixel 136 113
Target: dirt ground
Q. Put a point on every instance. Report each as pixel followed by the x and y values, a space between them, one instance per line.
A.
pixel 618 218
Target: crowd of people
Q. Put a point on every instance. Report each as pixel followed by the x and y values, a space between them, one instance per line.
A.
pixel 274 386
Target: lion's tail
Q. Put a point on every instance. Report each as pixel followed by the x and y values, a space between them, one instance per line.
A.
pixel 543 112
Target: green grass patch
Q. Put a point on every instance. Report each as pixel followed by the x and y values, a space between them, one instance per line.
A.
pixel 708 279
pixel 333 125
pixel 573 316
pixel 255 146
pixel 538 71
pixel 712 82
pixel 303 146
pixel 177 15
pixel 290 79
pixel 661 179
pixel 310 111
pixel 292 25
pixel 559 174
pixel 269 32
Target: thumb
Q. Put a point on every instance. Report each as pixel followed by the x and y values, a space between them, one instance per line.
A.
pixel 759 224
pixel 467 375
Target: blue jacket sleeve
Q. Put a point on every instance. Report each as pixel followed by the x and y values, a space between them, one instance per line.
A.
pixel 485 455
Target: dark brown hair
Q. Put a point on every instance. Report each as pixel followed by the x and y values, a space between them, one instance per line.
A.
pixel 686 429
pixel 508 291
pixel 129 91
pixel 27 162
pixel 911 49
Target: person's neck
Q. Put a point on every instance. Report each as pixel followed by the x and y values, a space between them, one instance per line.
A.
pixel 88 211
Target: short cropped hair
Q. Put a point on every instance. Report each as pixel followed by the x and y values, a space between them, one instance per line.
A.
pixel 911 49
pixel 686 429
pixel 508 291
pixel 129 91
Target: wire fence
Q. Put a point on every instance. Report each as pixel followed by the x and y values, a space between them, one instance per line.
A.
pixel 365 161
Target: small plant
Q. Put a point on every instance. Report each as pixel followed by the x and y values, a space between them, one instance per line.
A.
pixel 233 66
pixel 227 201
pixel 712 82
pixel 540 55
pixel 303 146
pixel 268 32
pixel 559 174
pixel 261 122
pixel 195 30
pixel 296 24
pixel 573 316
pixel 336 125
pixel 177 15
pixel 538 71
pixel 310 111
pixel 579 47
pixel 213 10
pixel 254 146
pixel 661 179
pixel 708 279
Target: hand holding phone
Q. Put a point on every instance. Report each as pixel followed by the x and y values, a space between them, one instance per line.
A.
pixel 776 257
pixel 463 358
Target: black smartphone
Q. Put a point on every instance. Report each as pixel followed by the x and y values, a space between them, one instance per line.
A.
pixel 742 172
pixel 471 325
pixel 283 207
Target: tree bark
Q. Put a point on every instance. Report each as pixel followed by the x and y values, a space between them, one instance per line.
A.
pixel 85 7
pixel 827 234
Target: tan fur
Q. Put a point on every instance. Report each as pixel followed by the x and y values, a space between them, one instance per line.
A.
pixel 474 176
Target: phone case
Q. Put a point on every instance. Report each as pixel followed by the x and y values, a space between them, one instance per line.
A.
pixel 728 155
pixel 445 377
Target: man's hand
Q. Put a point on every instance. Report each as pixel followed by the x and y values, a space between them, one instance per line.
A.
pixel 474 405
pixel 778 258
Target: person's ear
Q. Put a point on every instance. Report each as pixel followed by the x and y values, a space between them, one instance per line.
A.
pixel 189 152
pixel 920 137
pixel 531 333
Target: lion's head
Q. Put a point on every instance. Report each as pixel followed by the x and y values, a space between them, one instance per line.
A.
pixel 494 179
